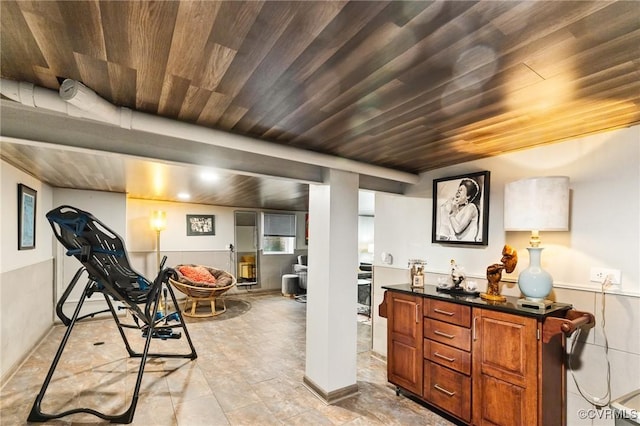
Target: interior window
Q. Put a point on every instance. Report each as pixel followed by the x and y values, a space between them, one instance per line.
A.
pixel 279 233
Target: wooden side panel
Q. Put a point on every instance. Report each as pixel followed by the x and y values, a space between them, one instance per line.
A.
pixel 553 390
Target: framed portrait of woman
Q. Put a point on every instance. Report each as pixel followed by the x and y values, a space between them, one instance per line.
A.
pixel 461 209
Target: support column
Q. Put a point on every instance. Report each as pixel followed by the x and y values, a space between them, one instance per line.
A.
pixel 332 329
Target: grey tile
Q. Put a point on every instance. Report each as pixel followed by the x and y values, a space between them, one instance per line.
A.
pixel 249 371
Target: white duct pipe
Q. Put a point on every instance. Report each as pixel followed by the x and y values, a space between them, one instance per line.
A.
pixel 36 97
pixel 78 100
pixel 85 99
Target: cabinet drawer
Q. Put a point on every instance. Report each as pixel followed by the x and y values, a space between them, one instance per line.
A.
pixel 448 390
pixel 448 312
pixel 449 357
pixel 449 334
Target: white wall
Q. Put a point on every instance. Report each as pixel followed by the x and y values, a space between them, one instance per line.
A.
pixel 10 257
pixel 366 226
pixel 140 236
pixel 209 250
pixel 604 231
pixel 403 229
pixel 605 213
pixel 107 207
pixel 26 276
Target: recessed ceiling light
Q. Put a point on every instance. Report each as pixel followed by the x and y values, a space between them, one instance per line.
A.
pixel 184 195
pixel 209 176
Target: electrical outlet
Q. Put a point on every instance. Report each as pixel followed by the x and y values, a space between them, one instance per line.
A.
pixel 599 274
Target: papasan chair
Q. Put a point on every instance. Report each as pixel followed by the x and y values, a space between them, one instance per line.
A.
pixel 202 284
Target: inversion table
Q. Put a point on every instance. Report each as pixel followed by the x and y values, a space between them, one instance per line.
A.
pixel 104 258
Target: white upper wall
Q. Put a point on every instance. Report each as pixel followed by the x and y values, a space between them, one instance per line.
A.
pixel 10 257
pixel 107 207
pixel 604 171
pixel 140 236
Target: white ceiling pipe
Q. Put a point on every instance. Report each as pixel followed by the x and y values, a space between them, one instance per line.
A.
pixel 80 96
pixel 39 97
pixel 35 96
pixel 85 99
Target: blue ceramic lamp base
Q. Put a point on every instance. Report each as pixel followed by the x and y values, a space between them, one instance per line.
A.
pixel 535 283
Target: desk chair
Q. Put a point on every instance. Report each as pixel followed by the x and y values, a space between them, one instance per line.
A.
pixel 104 258
pixel 301 269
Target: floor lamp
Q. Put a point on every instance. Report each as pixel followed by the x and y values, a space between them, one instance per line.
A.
pixel 158 223
pixel 536 204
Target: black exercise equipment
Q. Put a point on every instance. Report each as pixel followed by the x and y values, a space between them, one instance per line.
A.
pixel 104 258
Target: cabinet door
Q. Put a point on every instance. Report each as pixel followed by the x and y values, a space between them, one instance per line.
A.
pixel 404 328
pixel 505 359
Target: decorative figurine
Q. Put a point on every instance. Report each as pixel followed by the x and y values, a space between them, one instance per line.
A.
pixel 494 274
pixel 457 278
pixel 457 275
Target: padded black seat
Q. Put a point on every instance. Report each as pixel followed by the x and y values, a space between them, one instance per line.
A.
pixel 103 256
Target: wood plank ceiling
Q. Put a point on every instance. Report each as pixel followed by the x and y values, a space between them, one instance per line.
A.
pixel 411 86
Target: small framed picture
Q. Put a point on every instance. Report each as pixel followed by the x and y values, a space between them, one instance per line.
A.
pixel 418 281
pixel 27 198
pixel 199 224
pixel 461 209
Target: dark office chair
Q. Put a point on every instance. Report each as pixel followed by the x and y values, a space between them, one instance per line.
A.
pixel 300 269
pixel 104 258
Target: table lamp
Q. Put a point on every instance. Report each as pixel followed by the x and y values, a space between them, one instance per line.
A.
pixel 536 204
pixel 158 223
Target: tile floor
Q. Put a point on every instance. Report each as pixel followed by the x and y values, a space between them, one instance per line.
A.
pixel 249 371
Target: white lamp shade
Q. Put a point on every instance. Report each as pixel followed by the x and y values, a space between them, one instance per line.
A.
pixel 158 220
pixel 540 204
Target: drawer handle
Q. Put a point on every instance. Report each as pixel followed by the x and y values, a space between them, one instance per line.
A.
pixel 440 333
pixel 440 311
pixel 443 390
pixel 444 357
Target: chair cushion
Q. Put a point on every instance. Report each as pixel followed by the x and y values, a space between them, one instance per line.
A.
pixel 203 276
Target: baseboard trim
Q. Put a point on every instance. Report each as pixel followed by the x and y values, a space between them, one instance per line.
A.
pixel 334 396
pixel 378 356
pixel 14 368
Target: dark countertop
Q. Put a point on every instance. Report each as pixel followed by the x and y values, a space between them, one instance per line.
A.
pixel 510 306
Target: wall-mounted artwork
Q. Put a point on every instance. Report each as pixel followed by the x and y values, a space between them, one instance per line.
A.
pixel 461 209
pixel 199 224
pixel 26 217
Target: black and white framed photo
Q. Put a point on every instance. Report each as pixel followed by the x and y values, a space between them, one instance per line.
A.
pixel 27 199
pixel 201 224
pixel 461 209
